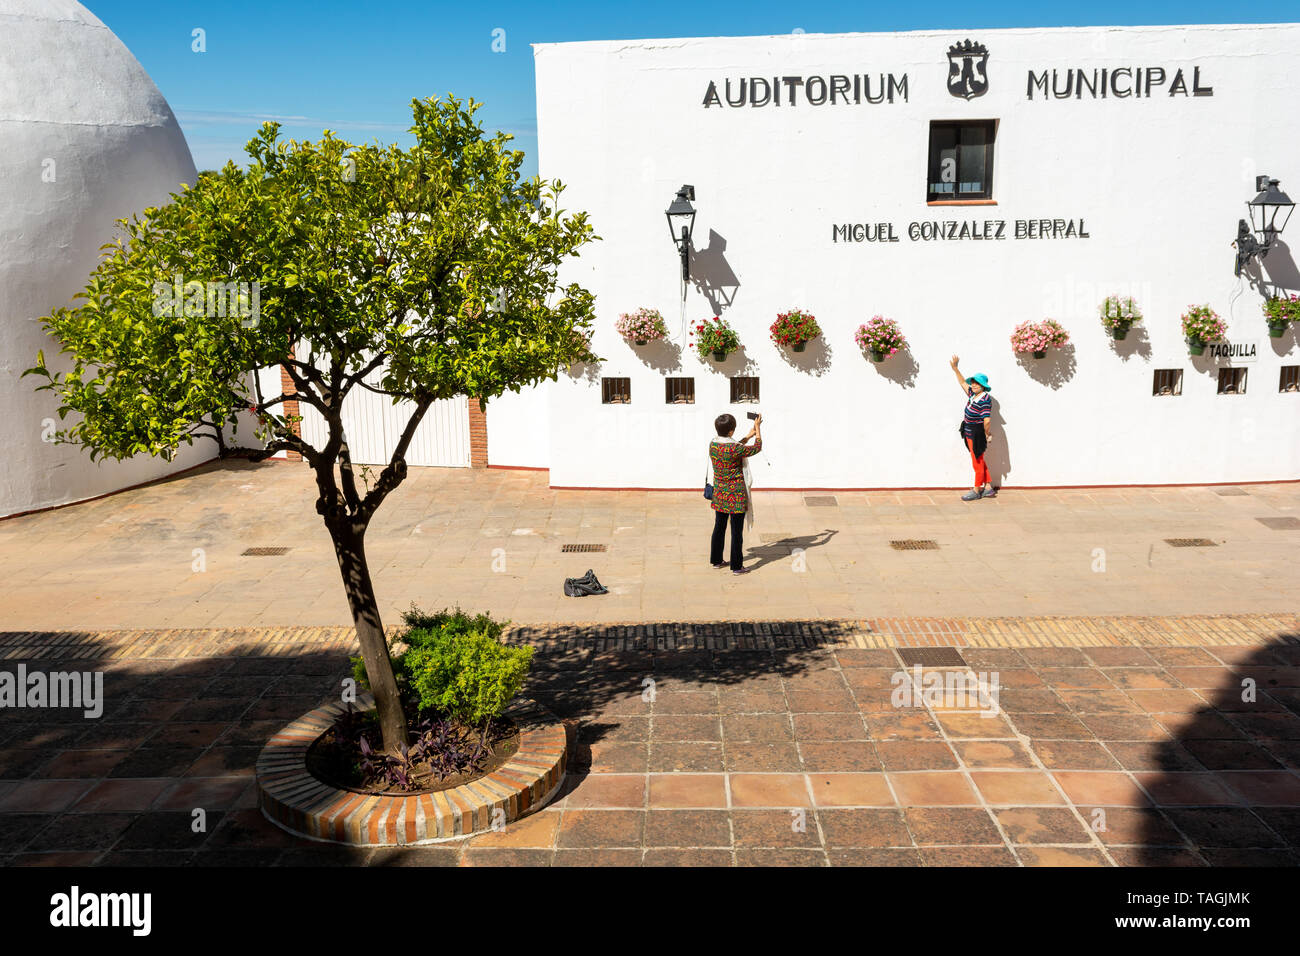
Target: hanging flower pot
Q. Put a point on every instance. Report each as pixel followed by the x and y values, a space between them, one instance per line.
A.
pixel 879 338
pixel 642 326
pixel 1037 337
pixel 1280 313
pixel 795 328
pixel 714 338
pixel 1202 325
pixel 1118 314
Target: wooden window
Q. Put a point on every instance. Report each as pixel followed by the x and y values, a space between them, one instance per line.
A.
pixel 1290 379
pixel 1232 381
pixel 744 390
pixel 616 391
pixel 679 391
pixel 1167 381
pixel 961 161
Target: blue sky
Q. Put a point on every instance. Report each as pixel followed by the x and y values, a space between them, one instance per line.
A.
pixel 354 67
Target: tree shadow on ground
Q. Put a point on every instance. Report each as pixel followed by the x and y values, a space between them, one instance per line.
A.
pixel 1233 764
pixel 188 732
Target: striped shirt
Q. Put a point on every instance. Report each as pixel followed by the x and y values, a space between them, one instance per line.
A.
pixel 978 408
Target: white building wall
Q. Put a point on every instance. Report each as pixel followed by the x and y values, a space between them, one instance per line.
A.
pixel 519 428
pixel 1159 183
pixel 87 139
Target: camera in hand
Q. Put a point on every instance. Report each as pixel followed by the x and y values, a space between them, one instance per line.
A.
pixel 751 415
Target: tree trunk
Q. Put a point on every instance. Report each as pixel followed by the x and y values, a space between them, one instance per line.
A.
pixel 349 546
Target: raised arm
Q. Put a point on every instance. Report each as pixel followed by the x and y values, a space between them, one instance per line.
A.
pixel 961 379
pixel 756 434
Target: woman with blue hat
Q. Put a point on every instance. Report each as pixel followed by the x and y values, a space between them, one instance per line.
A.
pixel 976 429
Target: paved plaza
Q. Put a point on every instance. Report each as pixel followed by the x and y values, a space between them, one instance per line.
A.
pixel 170 554
pixel 712 720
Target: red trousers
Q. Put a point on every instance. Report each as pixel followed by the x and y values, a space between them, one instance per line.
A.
pixel 981 469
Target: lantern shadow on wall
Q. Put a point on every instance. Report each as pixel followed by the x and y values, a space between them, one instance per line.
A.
pixel 1053 371
pixel 711 274
pixel 1274 273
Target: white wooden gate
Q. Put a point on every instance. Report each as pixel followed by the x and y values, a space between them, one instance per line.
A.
pixel 373 425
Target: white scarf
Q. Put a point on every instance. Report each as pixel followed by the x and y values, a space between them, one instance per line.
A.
pixel 749 481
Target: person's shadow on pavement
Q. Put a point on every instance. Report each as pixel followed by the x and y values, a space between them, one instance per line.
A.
pixel 776 550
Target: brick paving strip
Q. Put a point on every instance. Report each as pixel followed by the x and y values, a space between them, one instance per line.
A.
pixel 1116 741
pixel 1190 631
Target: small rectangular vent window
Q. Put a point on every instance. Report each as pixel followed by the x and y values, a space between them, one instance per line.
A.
pixel 1290 380
pixel 1167 381
pixel 744 389
pixel 679 391
pixel 1232 381
pixel 616 391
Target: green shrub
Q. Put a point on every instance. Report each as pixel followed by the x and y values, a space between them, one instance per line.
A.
pixel 454 664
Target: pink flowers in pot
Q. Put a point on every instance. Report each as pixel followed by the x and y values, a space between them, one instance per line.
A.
pixel 1038 337
pixel 641 326
pixel 881 337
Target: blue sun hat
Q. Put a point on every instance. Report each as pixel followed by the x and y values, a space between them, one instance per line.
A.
pixel 982 379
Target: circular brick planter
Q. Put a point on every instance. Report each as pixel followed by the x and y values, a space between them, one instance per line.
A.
pixel 294 800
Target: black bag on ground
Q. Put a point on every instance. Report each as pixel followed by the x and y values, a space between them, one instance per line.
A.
pixel 583 586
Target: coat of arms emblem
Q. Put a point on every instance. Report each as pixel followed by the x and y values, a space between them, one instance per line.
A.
pixel 968 69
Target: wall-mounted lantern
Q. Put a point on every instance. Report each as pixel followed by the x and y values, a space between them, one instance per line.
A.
pixel 1269 212
pixel 682 214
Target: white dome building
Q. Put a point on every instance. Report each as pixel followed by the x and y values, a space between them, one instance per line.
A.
pixel 88 139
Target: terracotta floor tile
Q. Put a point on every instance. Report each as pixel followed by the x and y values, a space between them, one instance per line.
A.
pixel 1170 701
pixel 683 727
pixel 1225 827
pixel 1085 703
pixel 932 789
pixel 1187 789
pixel 123 795
pixel 749 727
pixel 535 830
pixel 1230 755
pixel 784 857
pixel 604 790
pixel 1163 755
pixel 864 827
pixel 675 756
pixel 773 828
pixel 916 755
pixel 1264 788
pixel 687 858
pixel 974 725
pixel 688 828
pixel 1088 788
pixel 917 725
pixel 688 790
pixel 1060 856
pixel 616 757
pixel 1146 678
pixel 601 828
pixel 1154 856
pixel 1124 727
pixel 821 701
pixel 850 790
pixel 1118 656
pixel 1042 825
pixel 993 753
pixel 1250 857
pixel 1051 727
pixel 967 856
pixel 762 756
pixel 1074 755
pixel 506 856
pixel 1016 787
pixel 596 857
pixel 1073 677
pixel 875 856
pixel 769 790
pixel 843 756
pixel 822 727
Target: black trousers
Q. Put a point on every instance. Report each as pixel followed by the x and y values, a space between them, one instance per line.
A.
pixel 737 533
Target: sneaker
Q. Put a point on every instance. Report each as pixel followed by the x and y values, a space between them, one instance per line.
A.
pixel 972 495
pixel 722 565
pixel 991 493
pixel 741 571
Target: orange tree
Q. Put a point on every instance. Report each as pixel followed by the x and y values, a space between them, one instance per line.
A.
pixel 433 267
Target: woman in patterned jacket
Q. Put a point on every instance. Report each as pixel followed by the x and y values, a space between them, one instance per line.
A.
pixel 731 488
pixel 976 430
